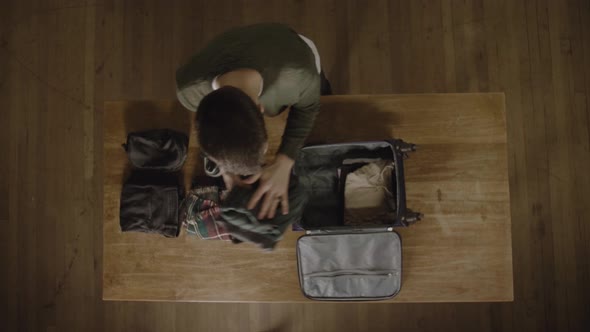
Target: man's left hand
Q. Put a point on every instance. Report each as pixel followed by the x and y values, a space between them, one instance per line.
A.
pixel 274 187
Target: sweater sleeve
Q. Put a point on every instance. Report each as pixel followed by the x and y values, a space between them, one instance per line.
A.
pixel 190 96
pixel 301 119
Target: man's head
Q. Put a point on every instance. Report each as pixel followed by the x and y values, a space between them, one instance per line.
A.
pixel 231 130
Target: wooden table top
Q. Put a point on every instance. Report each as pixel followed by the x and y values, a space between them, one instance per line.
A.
pixel 460 252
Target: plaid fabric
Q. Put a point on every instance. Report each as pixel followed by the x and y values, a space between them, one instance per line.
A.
pixel 199 213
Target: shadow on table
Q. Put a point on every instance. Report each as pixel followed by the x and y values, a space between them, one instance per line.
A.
pixel 284 326
pixel 337 122
pixel 351 121
pixel 144 115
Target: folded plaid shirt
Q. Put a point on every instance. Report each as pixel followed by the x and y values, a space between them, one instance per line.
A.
pixel 202 214
pixel 199 213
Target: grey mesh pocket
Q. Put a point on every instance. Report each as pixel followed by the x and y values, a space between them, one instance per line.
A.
pixel 360 266
pixel 355 284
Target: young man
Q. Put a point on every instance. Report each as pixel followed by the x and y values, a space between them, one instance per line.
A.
pixel 240 75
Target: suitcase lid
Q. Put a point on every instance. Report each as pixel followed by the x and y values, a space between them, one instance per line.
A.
pixel 359 264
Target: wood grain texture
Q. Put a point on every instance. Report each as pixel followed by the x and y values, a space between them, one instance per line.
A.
pixel 537 52
pixel 461 251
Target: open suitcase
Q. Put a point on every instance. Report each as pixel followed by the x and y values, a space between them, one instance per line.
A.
pixel 340 262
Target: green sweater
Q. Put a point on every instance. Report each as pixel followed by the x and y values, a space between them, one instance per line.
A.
pixel 284 60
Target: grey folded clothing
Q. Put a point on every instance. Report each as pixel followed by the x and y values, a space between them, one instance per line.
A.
pixel 243 225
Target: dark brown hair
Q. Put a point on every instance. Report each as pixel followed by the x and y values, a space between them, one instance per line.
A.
pixel 231 130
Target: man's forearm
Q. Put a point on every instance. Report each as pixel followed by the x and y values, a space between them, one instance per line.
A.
pixel 299 125
pixel 284 159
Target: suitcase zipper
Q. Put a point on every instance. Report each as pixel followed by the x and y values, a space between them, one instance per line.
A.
pixel 349 231
pixel 352 273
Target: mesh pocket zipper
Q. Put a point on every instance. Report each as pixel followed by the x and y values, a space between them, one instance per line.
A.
pixel 352 273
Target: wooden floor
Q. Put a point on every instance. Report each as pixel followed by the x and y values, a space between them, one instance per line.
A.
pixel 59 60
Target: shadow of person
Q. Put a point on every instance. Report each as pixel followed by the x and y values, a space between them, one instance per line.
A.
pixel 145 115
pixel 284 326
pixel 343 120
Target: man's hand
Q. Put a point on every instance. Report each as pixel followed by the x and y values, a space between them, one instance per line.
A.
pixel 274 186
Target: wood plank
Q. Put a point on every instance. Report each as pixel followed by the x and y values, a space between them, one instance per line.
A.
pixel 369 47
pixel 9 297
pixel 533 80
pixel 460 184
pixel 469 42
pixel 583 209
pixel 560 165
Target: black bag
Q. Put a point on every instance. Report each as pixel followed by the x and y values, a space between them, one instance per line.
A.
pixel 150 202
pixel 157 149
